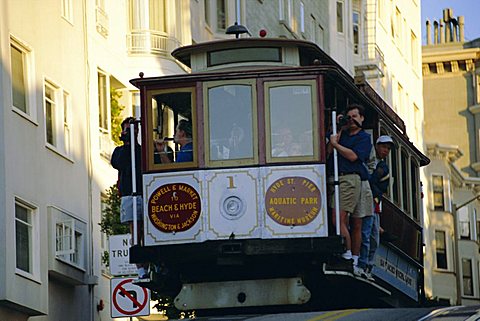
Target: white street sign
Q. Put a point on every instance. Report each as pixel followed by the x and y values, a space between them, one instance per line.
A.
pixel 120 254
pixel 128 299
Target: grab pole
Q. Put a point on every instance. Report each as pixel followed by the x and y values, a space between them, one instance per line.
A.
pixel 134 182
pixel 335 176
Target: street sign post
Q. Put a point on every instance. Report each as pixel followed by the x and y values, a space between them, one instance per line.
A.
pixel 119 255
pixel 128 299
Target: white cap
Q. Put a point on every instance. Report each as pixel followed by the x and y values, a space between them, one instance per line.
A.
pixel 384 139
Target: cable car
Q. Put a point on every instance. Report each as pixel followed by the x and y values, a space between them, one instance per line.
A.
pixel 235 178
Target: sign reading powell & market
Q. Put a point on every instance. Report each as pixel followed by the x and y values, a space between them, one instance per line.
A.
pixel 174 207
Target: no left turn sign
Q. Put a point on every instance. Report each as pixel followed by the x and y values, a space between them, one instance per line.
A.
pixel 128 299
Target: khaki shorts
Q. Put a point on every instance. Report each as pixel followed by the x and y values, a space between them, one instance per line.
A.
pixel 365 205
pixel 349 187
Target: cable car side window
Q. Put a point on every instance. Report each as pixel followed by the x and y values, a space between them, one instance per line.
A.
pixel 231 113
pixel 171 131
pixel 291 116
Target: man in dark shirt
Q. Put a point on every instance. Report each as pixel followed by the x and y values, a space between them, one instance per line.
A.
pixel 122 161
pixel 353 146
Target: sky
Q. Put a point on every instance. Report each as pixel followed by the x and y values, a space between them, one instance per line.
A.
pixel 470 9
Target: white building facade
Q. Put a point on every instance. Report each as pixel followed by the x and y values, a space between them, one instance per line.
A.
pixel 61 62
pixel 451 77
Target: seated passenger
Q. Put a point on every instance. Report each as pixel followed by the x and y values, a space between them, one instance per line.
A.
pixel 183 137
pixel 286 145
pixel 158 152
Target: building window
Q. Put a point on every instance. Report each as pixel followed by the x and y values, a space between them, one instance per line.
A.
pixel 65 239
pixel 111 102
pixel 467 277
pixel 400 100
pixel 313 29
pixel 151 18
pixel 441 250
pixel 67 10
pixel 477 224
pixel 103 103
pixel 316 32
pixel 157 14
pixel 57 126
pixel 302 17
pixel 286 12
pixel 356 32
pixel 414 50
pixel 438 193
pixel 208 19
pixel 20 57
pixel 416 119
pixel 380 6
pixel 66 121
pixel 320 36
pixel 24 237
pixel 477 87
pixel 340 16
pixel 463 223
pixel 398 25
pixel 70 241
pixel 50 113
pixel 221 15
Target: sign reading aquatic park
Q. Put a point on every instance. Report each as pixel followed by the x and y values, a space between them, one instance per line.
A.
pixel 128 299
pixel 174 207
pixel 119 255
pixel 293 201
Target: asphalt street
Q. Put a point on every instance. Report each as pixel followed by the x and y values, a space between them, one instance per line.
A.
pixel 398 314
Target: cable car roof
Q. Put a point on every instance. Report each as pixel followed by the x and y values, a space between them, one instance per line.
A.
pixel 309 53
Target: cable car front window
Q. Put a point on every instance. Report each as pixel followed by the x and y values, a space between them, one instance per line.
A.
pixel 171 142
pixel 230 114
pixel 292 118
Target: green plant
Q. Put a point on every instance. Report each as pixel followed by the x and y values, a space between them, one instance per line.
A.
pixel 115 114
pixel 110 223
pixel 106 258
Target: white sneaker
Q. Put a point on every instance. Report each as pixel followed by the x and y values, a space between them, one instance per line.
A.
pixel 358 271
pixel 368 276
pixel 143 273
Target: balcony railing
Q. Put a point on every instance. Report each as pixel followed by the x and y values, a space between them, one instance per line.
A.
pixel 373 59
pixel 151 42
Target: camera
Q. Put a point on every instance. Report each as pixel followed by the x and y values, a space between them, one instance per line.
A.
pixel 125 137
pixel 343 120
